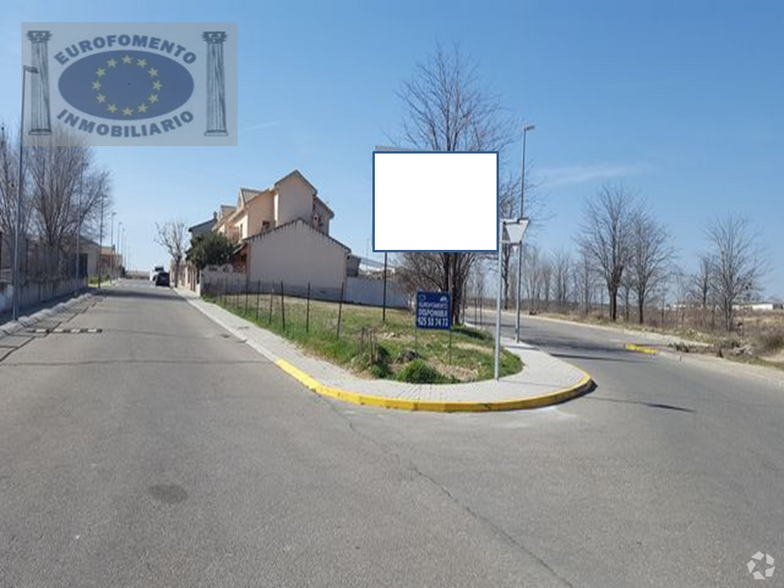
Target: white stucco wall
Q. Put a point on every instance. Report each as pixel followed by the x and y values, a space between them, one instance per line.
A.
pixel 322 211
pixel 260 209
pixel 297 254
pixel 293 200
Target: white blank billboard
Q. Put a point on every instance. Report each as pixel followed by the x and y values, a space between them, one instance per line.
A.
pixel 435 201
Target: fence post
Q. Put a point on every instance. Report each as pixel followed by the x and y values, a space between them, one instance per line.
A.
pixel 258 291
pixel 247 287
pixel 307 312
pixel 340 306
pixel 282 306
pixel 272 296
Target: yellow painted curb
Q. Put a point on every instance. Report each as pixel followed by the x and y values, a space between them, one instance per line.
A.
pixel 434 405
pixel 641 349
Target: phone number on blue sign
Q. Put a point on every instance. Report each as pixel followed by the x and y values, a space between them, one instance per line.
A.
pixel 437 317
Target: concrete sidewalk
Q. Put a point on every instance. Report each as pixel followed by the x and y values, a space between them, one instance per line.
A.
pixel 543 381
pixel 54 314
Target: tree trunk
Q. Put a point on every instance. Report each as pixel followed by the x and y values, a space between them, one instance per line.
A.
pixel 613 304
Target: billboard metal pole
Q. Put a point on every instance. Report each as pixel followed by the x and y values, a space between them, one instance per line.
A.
pixel 497 366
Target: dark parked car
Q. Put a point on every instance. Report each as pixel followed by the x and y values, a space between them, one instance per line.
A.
pixel 162 279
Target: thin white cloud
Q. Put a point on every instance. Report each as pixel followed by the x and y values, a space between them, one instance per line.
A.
pixel 571 175
pixel 259 126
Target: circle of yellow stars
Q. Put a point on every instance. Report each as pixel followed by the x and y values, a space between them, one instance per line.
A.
pixel 128 110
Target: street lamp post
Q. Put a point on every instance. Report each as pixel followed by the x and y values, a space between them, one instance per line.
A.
pixel 124 252
pixel 18 224
pixel 111 241
pixel 79 232
pixel 119 243
pixel 520 247
pixel 100 244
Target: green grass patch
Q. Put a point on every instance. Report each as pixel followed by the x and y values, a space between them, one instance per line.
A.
pixel 371 347
pixel 93 280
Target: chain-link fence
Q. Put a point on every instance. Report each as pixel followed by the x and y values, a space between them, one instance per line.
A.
pixel 381 341
pixel 44 272
pixel 37 261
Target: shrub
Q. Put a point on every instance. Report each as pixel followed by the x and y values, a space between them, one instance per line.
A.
pixel 419 372
pixel 770 341
pixel 380 367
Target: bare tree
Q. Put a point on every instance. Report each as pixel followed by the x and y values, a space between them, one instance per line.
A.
pixel 584 277
pixel 680 284
pixel 626 292
pixel 532 276
pixel 9 171
pixel 703 286
pixel 605 237
pixel 508 203
pixel 546 280
pixel 738 264
pixel 171 236
pixel 446 109
pixel 66 188
pixel 562 269
pixel 651 255
pixel 478 280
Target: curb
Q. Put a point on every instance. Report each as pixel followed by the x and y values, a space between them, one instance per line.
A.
pixel 618 329
pixel 27 321
pixel 549 399
pixel 641 349
pixel 585 384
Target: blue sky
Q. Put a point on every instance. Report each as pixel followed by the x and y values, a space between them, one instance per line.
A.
pixel 680 101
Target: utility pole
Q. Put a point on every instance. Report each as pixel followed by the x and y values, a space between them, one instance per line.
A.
pixel 119 242
pixel 520 246
pixel 111 242
pixel 100 241
pixel 79 231
pixel 18 228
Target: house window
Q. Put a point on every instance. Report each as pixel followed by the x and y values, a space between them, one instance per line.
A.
pixel 265 226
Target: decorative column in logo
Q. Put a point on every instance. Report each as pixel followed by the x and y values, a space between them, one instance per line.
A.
pixel 40 123
pixel 216 84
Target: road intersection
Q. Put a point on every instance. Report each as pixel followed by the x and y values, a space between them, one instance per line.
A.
pixel 164 451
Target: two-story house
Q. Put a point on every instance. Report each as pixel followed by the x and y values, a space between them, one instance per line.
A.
pixel 282 235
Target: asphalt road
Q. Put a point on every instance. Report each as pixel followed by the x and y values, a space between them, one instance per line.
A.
pixel 164 452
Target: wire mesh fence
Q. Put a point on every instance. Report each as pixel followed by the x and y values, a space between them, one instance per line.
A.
pixel 383 343
pixel 37 261
pixel 289 308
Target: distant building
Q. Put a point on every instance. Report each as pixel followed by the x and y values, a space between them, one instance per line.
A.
pixel 761 306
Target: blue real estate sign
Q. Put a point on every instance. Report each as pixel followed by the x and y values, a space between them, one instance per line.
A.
pixel 433 310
